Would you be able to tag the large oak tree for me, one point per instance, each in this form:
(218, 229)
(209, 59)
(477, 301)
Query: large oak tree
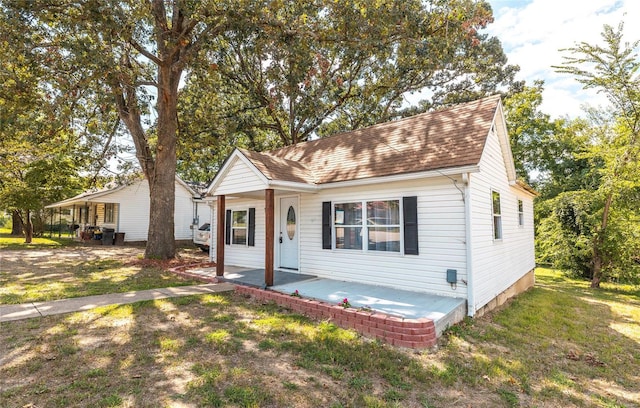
(320, 67)
(304, 65)
(134, 53)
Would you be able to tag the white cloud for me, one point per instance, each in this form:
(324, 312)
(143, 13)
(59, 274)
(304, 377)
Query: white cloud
(533, 32)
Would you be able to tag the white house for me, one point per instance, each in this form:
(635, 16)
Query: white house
(125, 209)
(429, 203)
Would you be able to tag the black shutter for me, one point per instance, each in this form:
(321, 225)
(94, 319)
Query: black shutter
(227, 230)
(410, 214)
(251, 238)
(326, 225)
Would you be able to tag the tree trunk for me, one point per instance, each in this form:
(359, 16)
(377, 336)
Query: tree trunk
(28, 228)
(16, 223)
(596, 277)
(161, 242)
(597, 268)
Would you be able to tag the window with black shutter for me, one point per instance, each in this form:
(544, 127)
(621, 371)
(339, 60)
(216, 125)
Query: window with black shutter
(410, 216)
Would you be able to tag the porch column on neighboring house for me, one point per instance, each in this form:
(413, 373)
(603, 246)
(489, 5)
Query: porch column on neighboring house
(269, 234)
(220, 234)
(73, 222)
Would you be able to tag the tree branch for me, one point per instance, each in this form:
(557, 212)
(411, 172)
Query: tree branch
(144, 52)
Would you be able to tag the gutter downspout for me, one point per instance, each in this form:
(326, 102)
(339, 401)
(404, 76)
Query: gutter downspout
(471, 309)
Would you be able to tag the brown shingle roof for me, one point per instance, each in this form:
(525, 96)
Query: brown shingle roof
(451, 137)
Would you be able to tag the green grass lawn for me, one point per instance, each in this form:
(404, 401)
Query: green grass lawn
(559, 345)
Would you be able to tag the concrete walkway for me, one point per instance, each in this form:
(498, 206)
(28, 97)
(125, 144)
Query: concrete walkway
(39, 309)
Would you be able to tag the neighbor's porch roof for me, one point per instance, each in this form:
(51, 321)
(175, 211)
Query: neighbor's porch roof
(85, 197)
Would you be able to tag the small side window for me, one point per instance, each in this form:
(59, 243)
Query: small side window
(497, 215)
(520, 213)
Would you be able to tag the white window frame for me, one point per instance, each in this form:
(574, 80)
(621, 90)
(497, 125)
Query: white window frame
(520, 213)
(365, 227)
(109, 215)
(496, 217)
(245, 228)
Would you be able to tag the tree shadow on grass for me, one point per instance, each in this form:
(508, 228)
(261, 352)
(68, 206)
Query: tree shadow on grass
(75, 273)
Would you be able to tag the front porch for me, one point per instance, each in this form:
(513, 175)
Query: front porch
(405, 318)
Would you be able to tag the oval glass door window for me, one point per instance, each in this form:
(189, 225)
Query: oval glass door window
(291, 222)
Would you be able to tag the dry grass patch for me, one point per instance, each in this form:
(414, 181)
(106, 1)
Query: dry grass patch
(51, 274)
(560, 344)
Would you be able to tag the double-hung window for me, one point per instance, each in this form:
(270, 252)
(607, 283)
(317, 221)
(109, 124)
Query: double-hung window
(109, 209)
(383, 225)
(368, 225)
(239, 227)
(348, 225)
(497, 215)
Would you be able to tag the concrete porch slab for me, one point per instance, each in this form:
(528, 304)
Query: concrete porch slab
(444, 311)
(255, 277)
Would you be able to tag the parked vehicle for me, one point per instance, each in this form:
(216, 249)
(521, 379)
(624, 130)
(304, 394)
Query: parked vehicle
(202, 237)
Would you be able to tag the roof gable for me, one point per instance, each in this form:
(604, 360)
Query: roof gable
(238, 161)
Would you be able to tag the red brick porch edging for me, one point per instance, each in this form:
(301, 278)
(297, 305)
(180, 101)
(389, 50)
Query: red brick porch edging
(411, 333)
(183, 271)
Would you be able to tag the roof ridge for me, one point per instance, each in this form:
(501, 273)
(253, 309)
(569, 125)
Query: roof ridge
(445, 138)
(382, 125)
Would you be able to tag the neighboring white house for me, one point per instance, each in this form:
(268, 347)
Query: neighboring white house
(428, 203)
(125, 209)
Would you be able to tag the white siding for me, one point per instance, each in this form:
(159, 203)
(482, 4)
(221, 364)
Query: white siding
(203, 212)
(243, 255)
(212, 220)
(239, 178)
(441, 243)
(133, 203)
(101, 211)
(496, 265)
(183, 213)
(441, 239)
(133, 209)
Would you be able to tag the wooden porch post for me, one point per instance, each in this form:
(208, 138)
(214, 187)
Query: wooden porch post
(220, 224)
(269, 234)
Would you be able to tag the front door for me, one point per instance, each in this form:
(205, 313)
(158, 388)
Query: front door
(288, 234)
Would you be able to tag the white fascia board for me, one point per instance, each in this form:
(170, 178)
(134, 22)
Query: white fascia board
(221, 173)
(517, 186)
(503, 136)
(208, 199)
(403, 177)
(294, 186)
(84, 198)
(253, 168)
(190, 190)
(229, 162)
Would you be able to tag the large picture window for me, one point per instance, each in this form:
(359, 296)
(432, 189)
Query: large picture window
(239, 227)
(376, 221)
(497, 215)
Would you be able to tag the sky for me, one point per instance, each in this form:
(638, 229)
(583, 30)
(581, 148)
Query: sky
(533, 32)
